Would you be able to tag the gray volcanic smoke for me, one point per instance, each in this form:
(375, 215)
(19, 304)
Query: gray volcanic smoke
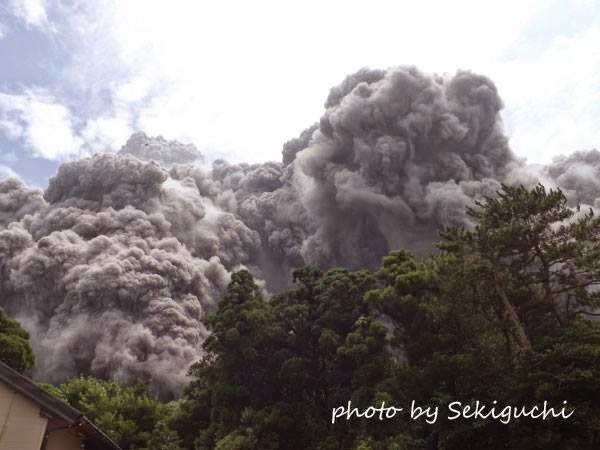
(396, 155)
(166, 153)
(113, 268)
(100, 277)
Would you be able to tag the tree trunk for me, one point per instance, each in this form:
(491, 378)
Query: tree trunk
(524, 342)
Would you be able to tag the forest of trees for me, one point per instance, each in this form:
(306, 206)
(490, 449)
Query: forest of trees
(506, 311)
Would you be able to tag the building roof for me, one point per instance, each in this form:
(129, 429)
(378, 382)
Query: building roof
(56, 408)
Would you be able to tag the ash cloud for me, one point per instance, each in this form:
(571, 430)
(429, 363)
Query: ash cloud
(398, 154)
(166, 153)
(17, 201)
(114, 267)
(578, 175)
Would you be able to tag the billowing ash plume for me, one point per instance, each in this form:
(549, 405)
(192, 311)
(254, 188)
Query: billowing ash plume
(396, 155)
(16, 201)
(578, 176)
(115, 266)
(166, 153)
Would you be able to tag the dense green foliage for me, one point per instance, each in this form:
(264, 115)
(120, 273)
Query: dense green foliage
(130, 415)
(274, 370)
(15, 349)
(505, 311)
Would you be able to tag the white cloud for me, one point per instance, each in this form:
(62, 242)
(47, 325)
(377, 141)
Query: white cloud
(44, 125)
(7, 172)
(133, 90)
(107, 133)
(32, 12)
(47, 129)
(50, 131)
(10, 127)
(240, 78)
(243, 77)
(553, 100)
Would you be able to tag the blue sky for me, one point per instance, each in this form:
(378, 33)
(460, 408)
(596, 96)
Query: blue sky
(239, 78)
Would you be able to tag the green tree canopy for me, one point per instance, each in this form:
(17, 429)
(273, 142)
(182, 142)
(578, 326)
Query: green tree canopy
(15, 349)
(275, 369)
(505, 312)
(130, 415)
